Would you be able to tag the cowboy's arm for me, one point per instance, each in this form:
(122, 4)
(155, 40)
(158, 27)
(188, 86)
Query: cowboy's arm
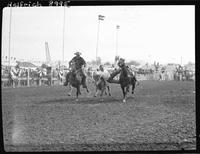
(82, 61)
(71, 61)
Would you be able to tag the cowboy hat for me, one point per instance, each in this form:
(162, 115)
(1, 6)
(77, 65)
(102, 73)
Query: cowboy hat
(121, 59)
(77, 53)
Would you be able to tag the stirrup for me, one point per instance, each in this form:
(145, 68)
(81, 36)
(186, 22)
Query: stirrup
(84, 86)
(109, 79)
(65, 84)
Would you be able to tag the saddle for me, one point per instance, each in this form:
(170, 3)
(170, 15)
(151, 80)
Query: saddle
(75, 72)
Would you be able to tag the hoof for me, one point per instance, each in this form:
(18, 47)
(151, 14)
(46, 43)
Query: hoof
(124, 101)
(95, 96)
(77, 100)
(69, 94)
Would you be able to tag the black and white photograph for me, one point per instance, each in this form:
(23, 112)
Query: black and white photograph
(98, 78)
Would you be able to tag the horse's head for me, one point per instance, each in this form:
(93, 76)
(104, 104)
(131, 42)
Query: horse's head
(124, 71)
(121, 62)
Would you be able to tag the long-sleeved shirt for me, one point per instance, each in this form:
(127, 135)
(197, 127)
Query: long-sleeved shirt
(79, 62)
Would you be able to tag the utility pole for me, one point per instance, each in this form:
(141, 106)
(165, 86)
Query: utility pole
(63, 36)
(9, 36)
(117, 29)
(181, 60)
(48, 57)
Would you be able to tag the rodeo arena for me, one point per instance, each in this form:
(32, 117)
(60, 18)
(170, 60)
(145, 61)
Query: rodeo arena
(158, 115)
(82, 105)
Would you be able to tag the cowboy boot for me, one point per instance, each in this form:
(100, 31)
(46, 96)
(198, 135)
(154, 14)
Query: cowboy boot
(84, 81)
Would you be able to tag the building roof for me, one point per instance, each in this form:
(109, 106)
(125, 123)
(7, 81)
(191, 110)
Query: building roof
(190, 67)
(26, 64)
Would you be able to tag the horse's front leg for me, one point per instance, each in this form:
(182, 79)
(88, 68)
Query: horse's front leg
(101, 95)
(71, 89)
(124, 94)
(133, 87)
(126, 91)
(77, 94)
(96, 91)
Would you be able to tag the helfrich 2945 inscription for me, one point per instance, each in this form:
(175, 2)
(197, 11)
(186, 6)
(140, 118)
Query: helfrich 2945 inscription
(24, 4)
(36, 3)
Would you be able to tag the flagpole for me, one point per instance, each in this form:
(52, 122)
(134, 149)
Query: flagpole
(9, 35)
(116, 54)
(97, 39)
(100, 17)
(116, 41)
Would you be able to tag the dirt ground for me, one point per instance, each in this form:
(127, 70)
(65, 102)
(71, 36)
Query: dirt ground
(161, 116)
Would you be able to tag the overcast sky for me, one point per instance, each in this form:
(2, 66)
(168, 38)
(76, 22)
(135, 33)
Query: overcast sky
(148, 33)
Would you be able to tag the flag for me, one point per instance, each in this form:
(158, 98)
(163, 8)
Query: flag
(117, 26)
(101, 17)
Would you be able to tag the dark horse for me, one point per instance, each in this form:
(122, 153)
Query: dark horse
(75, 78)
(126, 79)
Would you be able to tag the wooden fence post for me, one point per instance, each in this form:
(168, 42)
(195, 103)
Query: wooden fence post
(28, 83)
(51, 77)
(39, 79)
(18, 80)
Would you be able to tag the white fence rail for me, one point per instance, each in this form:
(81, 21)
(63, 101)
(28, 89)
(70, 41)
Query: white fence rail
(24, 81)
(51, 80)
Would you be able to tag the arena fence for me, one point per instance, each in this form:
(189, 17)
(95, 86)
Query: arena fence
(28, 80)
(53, 79)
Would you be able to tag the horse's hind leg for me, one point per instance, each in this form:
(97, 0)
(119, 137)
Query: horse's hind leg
(87, 89)
(77, 93)
(127, 88)
(95, 95)
(108, 90)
